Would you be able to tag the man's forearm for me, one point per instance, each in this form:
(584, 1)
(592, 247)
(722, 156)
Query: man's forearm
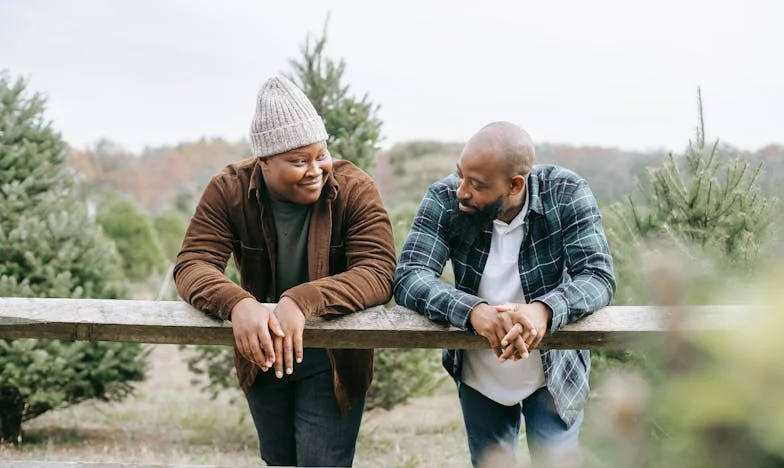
(437, 301)
(575, 299)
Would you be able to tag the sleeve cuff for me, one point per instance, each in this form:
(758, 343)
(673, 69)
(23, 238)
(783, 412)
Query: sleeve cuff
(224, 312)
(461, 317)
(557, 303)
(308, 298)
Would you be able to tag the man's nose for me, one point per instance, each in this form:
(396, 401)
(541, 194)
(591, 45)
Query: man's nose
(462, 192)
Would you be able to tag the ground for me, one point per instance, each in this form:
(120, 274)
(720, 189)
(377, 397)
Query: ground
(169, 421)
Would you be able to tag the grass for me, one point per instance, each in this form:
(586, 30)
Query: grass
(169, 421)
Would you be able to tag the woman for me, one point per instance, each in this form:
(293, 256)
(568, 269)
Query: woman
(312, 235)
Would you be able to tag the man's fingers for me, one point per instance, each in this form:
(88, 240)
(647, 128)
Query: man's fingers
(514, 343)
(530, 333)
(516, 350)
(526, 336)
(537, 339)
(512, 334)
(495, 343)
(504, 307)
(503, 326)
(507, 353)
(521, 347)
(526, 323)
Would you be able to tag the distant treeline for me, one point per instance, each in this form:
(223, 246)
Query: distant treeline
(406, 169)
(166, 177)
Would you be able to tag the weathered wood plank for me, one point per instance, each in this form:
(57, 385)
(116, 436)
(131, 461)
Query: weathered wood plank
(179, 323)
(82, 464)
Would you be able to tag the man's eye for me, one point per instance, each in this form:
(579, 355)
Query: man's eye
(323, 156)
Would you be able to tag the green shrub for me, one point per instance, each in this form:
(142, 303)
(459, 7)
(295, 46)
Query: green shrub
(134, 235)
(402, 374)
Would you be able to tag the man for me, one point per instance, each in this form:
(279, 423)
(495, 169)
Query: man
(312, 235)
(529, 256)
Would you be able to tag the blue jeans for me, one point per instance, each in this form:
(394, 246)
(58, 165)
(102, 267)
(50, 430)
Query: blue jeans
(299, 422)
(493, 428)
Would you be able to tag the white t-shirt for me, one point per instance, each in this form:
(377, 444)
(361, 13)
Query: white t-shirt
(510, 382)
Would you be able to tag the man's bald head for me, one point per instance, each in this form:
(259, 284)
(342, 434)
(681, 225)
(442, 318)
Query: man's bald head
(507, 143)
(492, 174)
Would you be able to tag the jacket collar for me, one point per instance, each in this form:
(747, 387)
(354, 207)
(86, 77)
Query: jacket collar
(535, 203)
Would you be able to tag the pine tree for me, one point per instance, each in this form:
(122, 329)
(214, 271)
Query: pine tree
(706, 205)
(352, 123)
(699, 225)
(50, 248)
(708, 197)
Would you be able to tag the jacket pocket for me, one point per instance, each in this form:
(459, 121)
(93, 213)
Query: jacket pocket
(337, 258)
(254, 268)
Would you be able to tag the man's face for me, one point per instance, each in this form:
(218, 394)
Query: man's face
(298, 175)
(481, 182)
(482, 189)
(467, 226)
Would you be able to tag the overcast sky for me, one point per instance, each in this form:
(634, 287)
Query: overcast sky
(602, 72)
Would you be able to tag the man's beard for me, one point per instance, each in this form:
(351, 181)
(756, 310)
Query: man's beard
(467, 226)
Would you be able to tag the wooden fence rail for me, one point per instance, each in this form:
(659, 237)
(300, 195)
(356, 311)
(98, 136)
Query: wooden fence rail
(379, 327)
(620, 327)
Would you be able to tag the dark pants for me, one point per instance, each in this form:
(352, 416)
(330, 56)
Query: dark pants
(493, 429)
(299, 422)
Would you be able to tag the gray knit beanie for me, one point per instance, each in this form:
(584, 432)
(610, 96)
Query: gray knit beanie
(284, 119)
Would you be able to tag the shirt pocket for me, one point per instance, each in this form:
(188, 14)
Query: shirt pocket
(337, 259)
(254, 267)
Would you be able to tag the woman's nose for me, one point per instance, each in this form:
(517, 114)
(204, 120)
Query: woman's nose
(314, 169)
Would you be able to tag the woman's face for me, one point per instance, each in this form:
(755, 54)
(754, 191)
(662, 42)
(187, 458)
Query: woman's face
(298, 175)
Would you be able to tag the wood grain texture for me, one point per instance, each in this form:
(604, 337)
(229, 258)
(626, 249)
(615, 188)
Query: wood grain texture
(379, 327)
(81, 464)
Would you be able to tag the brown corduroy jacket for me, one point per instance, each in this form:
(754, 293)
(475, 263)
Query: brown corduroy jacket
(351, 258)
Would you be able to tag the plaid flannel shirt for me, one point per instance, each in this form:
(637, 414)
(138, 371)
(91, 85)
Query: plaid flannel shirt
(564, 262)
